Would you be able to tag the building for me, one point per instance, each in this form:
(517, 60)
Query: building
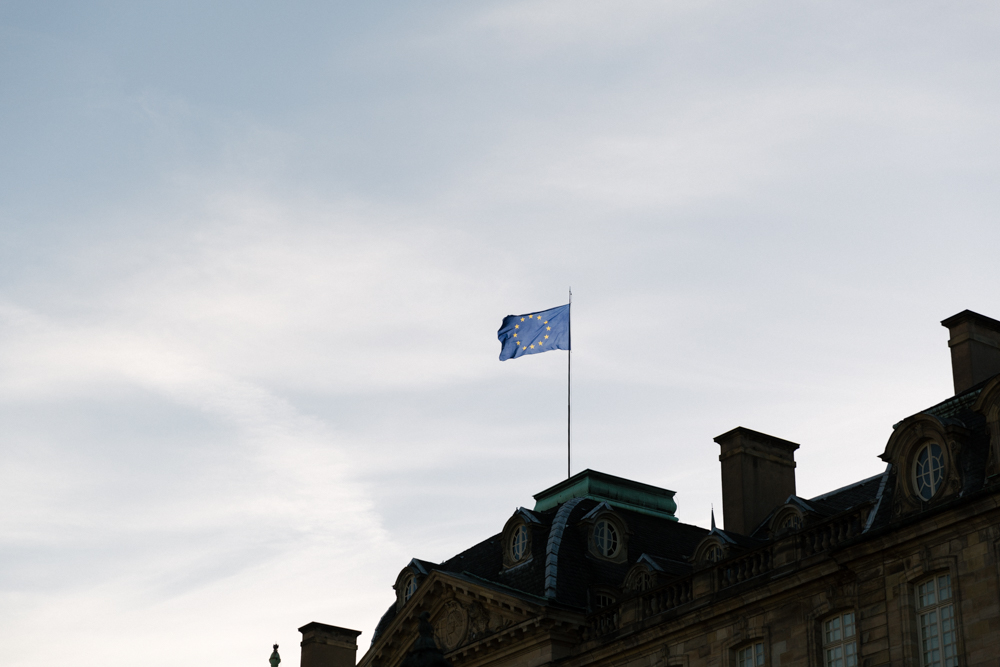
(899, 569)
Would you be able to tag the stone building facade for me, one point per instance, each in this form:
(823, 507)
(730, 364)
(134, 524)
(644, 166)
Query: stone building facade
(899, 569)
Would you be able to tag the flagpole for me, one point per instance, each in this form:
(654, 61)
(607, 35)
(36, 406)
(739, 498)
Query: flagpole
(569, 388)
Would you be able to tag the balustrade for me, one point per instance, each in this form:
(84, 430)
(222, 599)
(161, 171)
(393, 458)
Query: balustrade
(736, 570)
(830, 534)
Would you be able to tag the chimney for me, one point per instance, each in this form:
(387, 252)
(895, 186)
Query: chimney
(328, 646)
(975, 348)
(758, 474)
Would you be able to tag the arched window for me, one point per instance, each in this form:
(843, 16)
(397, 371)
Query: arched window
(840, 645)
(714, 553)
(639, 579)
(409, 588)
(928, 470)
(936, 612)
(751, 655)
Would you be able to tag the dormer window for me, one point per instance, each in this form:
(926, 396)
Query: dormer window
(607, 534)
(408, 581)
(519, 543)
(791, 522)
(515, 541)
(715, 547)
(606, 538)
(603, 600)
(928, 470)
(925, 452)
(409, 588)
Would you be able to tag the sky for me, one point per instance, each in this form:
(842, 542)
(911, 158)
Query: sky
(253, 258)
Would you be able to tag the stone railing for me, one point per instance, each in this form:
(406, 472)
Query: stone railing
(733, 571)
(647, 604)
(729, 572)
(830, 534)
(604, 622)
(665, 598)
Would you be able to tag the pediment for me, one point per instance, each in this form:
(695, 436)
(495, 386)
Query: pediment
(464, 613)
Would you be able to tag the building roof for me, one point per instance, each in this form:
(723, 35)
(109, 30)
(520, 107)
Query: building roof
(563, 568)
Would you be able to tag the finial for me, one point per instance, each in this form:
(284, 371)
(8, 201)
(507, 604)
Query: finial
(275, 659)
(713, 517)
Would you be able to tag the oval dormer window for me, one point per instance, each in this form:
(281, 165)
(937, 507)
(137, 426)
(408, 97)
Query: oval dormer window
(519, 543)
(928, 470)
(606, 538)
(409, 588)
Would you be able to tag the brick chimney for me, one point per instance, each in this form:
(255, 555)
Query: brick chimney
(758, 474)
(975, 348)
(328, 646)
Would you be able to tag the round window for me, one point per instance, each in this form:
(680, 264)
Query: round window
(606, 538)
(928, 470)
(519, 543)
(409, 588)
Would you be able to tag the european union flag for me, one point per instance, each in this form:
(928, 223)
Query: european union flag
(535, 332)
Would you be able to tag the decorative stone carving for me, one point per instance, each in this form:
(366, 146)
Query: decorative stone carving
(479, 622)
(452, 625)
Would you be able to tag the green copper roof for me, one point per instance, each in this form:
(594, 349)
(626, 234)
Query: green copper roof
(616, 491)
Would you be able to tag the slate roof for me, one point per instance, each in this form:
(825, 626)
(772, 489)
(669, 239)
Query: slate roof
(846, 497)
(669, 542)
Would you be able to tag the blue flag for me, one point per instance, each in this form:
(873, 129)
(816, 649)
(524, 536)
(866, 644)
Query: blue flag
(535, 332)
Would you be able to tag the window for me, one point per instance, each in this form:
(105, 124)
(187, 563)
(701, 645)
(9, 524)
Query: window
(714, 553)
(928, 470)
(750, 656)
(606, 538)
(792, 522)
(642, 582)
(840, 644)
(519, 543)
(409, 588)
(938, 639)
(604, 600)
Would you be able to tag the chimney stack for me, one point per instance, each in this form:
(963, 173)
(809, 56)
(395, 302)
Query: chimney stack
(328, 646)
(758, 474)
(975, 348)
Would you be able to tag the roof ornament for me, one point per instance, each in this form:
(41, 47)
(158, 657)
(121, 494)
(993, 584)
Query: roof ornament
(275, 658)
(713, 516)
